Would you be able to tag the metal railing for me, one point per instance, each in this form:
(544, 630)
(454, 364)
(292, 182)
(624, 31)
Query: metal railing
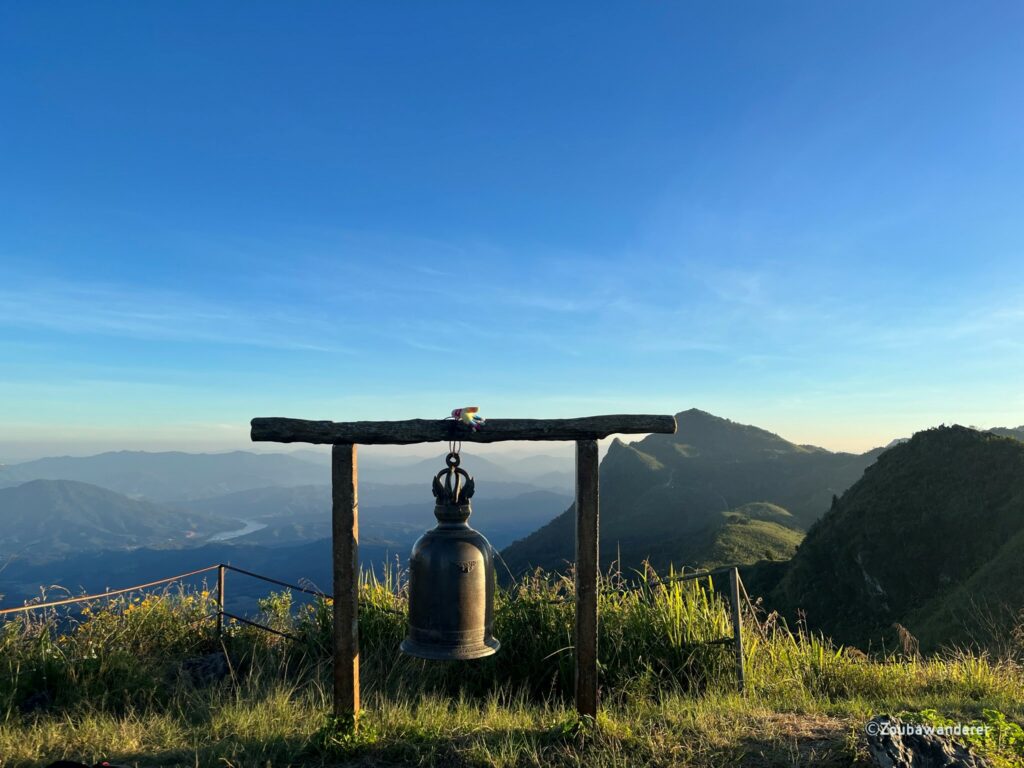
(221, 614)
(736, 589)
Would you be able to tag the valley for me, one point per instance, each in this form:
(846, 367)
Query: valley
(831, 535)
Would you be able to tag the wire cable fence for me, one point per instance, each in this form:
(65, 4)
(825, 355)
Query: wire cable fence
(108, 593)
(220, 615)
(737, 594)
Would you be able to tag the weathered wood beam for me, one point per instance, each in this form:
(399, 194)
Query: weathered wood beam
(281, 430)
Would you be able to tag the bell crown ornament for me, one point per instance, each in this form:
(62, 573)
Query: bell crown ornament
(453, 495)
(451, 578)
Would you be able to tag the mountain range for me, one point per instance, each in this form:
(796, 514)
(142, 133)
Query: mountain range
(685, 498)
(926, 532)
(504, 512)
(171, 476)
(45, 519)
(158, 500)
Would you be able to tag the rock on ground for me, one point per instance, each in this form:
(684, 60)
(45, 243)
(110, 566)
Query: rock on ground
(890, 748)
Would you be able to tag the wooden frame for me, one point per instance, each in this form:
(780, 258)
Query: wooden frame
(345, 436)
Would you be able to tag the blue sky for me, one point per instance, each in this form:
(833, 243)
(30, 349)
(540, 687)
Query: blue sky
(806, 216)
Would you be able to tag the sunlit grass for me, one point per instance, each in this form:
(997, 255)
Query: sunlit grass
(110, 686)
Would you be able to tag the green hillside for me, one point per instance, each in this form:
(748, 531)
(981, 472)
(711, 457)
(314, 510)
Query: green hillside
(931, 537)
(663, 497)
(747, 540)
(984, 610)
(748, 534)
(763, 510)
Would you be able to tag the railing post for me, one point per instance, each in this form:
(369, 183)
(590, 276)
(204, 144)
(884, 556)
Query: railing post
(737, 628)
(345, 546)
(587, 485)
(220, 600)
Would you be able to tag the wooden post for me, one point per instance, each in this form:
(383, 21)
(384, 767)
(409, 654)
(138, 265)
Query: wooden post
(220, 601)
(345, 545)
(587, 483)
(737, 627)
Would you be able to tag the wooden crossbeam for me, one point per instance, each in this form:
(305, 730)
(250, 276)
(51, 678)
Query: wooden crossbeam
(281, 430)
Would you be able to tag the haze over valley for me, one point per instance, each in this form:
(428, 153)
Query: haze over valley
(120, 518)
(715, 493)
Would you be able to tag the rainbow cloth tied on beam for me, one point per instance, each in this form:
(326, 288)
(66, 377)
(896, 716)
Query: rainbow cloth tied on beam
(469, 417)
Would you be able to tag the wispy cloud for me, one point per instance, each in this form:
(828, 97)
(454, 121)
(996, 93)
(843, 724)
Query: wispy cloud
(427, 347)
(549, 303)
(124, 311)
(976, 324)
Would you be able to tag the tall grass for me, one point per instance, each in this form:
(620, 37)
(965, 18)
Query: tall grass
(655, 636)
(114, 651)
(651, 634)
(118, 674)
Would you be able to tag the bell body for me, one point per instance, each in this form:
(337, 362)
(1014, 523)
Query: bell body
(451, 590)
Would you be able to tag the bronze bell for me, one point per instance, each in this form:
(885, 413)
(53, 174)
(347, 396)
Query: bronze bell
(451, 578)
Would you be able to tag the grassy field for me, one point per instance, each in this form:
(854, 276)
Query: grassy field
(115, 686)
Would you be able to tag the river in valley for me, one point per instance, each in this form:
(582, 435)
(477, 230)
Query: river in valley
(251, 526)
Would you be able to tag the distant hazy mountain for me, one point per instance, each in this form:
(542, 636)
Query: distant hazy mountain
(54, 518)
(180, 477)
(502, 521)
(518, 465)
(173, 476)
(315, 500)
(257, 503)
(546, 473)
(663, 498)
(44, 519)
(1017, 433)
(304, 512)
(931, 537)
